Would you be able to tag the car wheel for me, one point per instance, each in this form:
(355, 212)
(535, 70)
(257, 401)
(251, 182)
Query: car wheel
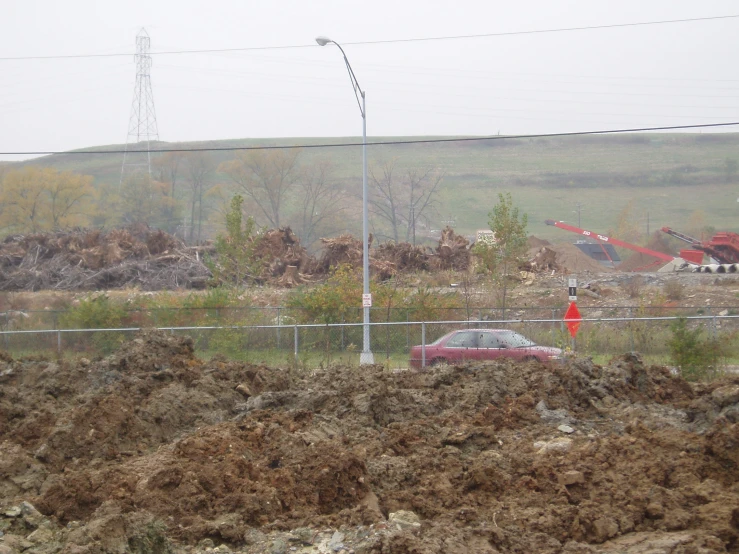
(436, 362)
(530, 359)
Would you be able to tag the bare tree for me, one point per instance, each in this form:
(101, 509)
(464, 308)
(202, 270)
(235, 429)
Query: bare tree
(167, 169)
(402, 200)
(384, 199)
(322, 201)
(422, 187)
(265, 177)
(199, 167)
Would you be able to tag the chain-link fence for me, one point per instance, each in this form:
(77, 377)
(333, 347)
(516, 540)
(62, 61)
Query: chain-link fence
(20, 320)
(391, 343)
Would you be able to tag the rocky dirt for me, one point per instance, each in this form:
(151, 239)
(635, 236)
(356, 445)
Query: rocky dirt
(154, 450)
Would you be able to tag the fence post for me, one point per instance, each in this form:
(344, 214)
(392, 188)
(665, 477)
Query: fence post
(423, 344)
(296, 344)
(551, 327)
(59, 342)
(343, 322)
(407, 333)
(279, 325)
(631, 329)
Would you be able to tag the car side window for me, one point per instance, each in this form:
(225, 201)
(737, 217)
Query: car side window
(489, 340)
(467, 339)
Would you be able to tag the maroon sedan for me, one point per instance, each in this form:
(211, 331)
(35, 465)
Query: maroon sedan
(482, 344)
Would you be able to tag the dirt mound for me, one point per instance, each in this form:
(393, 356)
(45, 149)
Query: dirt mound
(565, 258)
(640, 262)
(92, 259)
(643, 262)
(155, 444)
(536, 242)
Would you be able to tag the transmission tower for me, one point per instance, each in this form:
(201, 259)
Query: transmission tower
(142, 126)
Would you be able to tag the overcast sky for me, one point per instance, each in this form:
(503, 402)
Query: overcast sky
(671, 74)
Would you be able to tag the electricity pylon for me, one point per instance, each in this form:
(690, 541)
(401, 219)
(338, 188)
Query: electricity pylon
(142, 126)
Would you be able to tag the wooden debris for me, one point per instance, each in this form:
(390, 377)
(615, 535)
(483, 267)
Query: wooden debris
(453, 252)
(91, 259)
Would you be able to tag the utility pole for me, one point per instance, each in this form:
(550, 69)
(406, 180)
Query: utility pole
(142, 125)
(578, 205)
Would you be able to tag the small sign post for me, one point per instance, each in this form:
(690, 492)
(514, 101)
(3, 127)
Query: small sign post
(367, 300)
(572, 290)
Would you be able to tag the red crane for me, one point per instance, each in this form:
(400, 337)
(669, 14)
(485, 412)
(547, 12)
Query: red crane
(723, 247)
(602, 238)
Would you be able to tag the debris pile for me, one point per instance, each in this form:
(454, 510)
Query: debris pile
(387, 260)
(92, 259)
(344, 249)
(403, 255)
(285, 262)
(138, 256)
(453, 252)
(543, 261)
(193, 455)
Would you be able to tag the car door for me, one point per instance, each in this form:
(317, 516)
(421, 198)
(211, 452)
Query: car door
(490, 346)
(461, 346)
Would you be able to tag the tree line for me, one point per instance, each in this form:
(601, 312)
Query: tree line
(189, 194)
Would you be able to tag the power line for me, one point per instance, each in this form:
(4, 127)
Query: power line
(559, 30)
(388, 41)
(383, 143)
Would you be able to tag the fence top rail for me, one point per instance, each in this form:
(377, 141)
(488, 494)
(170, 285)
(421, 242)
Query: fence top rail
(384, 309)
(486, 322)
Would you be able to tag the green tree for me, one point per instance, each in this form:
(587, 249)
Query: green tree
(503, 255)
(236, 260)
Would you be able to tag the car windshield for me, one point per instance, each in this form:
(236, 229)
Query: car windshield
(514, 340)
(437, 341)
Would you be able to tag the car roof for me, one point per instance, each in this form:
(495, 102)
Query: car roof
(488, 330)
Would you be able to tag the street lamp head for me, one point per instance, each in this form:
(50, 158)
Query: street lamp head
(323, 41)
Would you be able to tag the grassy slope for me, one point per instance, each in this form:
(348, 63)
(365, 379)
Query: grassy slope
(668, 175)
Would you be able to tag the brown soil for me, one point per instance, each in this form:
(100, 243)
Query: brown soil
(155, 446)
(536, 242)
(571, 259)
(643, 262)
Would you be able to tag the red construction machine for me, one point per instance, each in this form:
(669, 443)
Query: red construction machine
(662, 258)
(723, 247)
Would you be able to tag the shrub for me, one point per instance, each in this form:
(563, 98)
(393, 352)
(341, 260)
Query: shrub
(96, 312)
(633, 286)
(674, 290)
(93, 312)
(697, 357)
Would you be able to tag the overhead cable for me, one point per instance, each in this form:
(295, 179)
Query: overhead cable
(388, 41)
(380, 143)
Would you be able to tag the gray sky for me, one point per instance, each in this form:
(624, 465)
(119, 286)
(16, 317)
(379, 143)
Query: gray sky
(673, 74)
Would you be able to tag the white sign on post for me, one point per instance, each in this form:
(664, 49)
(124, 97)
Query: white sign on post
(366, 300)
(572, 289)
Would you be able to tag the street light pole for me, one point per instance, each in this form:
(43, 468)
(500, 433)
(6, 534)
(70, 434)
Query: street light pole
(366, 357)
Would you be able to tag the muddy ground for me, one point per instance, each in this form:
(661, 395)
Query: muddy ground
(154, 450)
